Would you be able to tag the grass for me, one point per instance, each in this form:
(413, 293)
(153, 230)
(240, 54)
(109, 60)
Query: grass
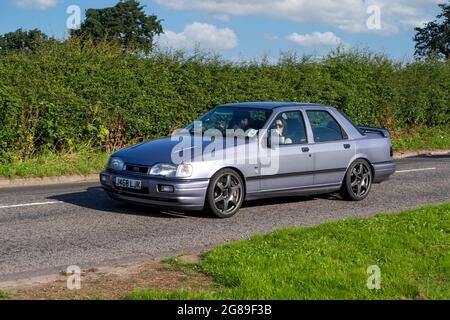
(4, 294)
(330, 261)
(83, 162)
(88, 161)
(422, 138)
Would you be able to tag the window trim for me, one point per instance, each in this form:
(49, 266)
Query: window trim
(344, 133)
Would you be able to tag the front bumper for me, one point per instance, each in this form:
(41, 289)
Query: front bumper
(187, 194)
(383, 170)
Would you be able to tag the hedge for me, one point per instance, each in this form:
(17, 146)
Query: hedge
(68, 94)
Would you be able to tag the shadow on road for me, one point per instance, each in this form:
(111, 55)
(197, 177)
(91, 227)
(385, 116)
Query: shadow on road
(96, 199)
(434, 156)
(287, 200)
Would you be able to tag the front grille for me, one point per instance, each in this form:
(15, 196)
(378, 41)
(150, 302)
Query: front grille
(137, 169)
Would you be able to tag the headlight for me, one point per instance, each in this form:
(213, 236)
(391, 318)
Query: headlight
(169, 170)
(161, 169)
(116, 164)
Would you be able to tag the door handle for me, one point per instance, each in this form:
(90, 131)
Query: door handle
(347, 146)
(305, 149)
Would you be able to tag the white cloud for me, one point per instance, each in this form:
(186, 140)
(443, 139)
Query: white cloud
(270, 37)
(221, 17)
(316, 40)
(347, 15)
(203, 35)
(39, 4)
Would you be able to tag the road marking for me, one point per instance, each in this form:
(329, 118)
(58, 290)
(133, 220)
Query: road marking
(415, 170)
(29, 204)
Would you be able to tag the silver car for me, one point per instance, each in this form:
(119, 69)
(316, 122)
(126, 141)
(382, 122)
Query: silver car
(249, 151)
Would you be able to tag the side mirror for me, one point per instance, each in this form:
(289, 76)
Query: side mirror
(252, 133)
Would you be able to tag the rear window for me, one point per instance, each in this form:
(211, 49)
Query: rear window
(325, 128)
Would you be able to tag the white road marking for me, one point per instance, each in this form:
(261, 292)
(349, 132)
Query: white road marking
(29, 204)
(415, 170)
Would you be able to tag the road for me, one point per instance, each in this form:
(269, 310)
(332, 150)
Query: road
(45, 229)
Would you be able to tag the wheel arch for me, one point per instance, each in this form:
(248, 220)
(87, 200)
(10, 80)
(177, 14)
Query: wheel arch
(240, 173)
(362, 157)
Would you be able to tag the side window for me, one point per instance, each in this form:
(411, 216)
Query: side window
(324, 126)
(290, 128)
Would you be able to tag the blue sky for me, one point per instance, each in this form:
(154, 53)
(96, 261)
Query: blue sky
(252, 28)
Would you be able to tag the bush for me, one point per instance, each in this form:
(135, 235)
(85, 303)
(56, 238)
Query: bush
(67, 94)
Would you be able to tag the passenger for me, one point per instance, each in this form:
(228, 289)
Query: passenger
(243, 122)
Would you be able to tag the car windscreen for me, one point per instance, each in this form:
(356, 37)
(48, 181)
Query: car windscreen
(229, 118)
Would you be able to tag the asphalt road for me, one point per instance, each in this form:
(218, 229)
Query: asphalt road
(45, 229)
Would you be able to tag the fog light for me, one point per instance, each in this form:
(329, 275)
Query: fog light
(165, 188)
(104, 179)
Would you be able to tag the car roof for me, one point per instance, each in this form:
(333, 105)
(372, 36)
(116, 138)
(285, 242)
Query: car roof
(270, 105)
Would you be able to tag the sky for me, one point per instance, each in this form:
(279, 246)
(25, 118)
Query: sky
(248, 29)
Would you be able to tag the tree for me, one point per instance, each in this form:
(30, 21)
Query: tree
(434, 37)
(126, 23)
(21, 40)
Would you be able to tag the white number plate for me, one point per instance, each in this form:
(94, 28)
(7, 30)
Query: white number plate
(128, 183)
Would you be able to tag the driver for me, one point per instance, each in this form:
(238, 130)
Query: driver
(279, 127)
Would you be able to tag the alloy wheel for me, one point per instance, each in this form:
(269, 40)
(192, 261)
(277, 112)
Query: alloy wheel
(360, 179)
(227, 193)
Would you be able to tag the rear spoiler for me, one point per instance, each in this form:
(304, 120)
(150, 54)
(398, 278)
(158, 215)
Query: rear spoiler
(380, 131)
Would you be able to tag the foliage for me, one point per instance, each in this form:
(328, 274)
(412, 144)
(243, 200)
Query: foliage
(4, 294)
(125, 23)
(434, 37)
(21, 40)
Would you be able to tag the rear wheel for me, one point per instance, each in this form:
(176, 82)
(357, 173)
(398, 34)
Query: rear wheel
(357, 181)
(225, 194)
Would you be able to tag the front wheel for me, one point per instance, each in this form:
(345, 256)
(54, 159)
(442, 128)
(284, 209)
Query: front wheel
(357, 181)
(225, 194)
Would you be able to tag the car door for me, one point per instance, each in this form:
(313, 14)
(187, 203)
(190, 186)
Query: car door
(291, 164)
(331, 148)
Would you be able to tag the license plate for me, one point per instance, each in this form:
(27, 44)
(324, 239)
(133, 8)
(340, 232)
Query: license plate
(128, 183)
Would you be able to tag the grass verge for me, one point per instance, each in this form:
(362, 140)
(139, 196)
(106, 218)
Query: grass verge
(4, 294)
(330, 261)
(422, 138)
(48, 164)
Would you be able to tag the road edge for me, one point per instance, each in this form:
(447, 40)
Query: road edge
(416, 153)
(66, 179)
(44, 181)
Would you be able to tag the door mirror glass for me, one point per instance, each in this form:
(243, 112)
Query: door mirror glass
(252, 133)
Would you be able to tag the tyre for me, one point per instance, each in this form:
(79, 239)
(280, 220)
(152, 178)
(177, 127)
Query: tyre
(357, 181)
(225, 194)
